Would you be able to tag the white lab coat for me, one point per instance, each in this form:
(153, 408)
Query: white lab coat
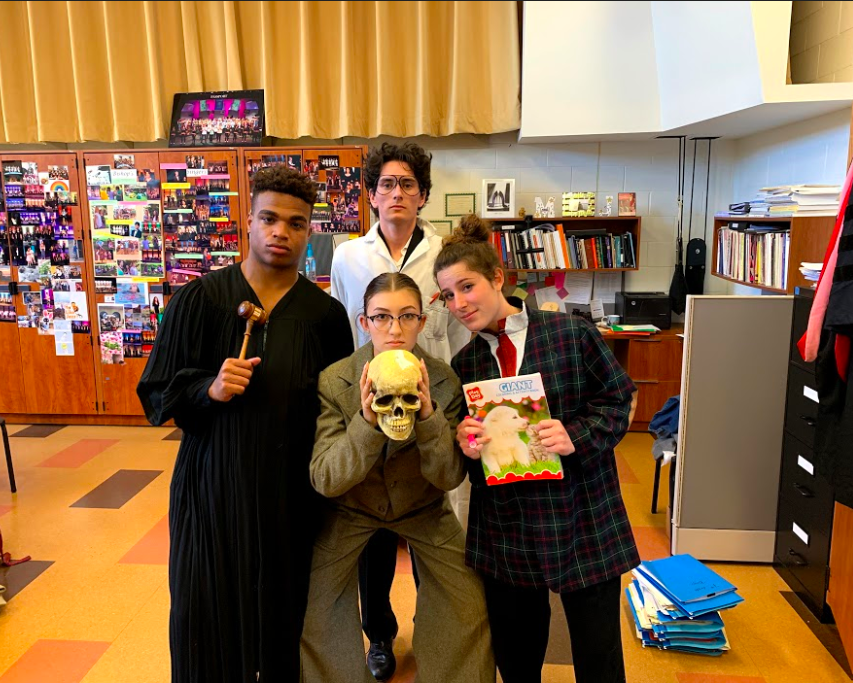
(356, 262)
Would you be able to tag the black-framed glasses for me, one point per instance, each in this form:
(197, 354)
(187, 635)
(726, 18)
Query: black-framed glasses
(383, 321)
(407, 183)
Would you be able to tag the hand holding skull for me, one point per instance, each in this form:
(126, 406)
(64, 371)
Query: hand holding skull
(423, 393)
(367, 397)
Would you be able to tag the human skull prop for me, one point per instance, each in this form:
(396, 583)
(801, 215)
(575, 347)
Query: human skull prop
(395, 376)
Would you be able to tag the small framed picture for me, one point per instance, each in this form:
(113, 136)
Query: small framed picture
(627, 203)
(460, 203)
(498, 198)
(442, 227)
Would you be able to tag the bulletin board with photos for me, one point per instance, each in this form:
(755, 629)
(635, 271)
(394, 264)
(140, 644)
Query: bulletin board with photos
(124, 212)
(341, 202)
(124, 208)
(201, 212)
(41, 248)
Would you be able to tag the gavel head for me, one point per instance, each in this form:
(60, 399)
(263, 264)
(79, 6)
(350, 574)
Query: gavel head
(248, 311)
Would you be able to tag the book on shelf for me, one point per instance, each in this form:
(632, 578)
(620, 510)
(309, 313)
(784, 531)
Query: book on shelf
(753, 257)
(548, 247)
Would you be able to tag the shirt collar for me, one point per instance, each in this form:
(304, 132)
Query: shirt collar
(514, 323)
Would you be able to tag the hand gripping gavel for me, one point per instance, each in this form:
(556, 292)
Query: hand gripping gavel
(251, 314)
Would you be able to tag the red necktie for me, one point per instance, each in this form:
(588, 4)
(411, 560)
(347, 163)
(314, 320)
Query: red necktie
(506, 351)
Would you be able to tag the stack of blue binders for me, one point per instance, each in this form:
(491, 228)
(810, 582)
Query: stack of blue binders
(676, 603)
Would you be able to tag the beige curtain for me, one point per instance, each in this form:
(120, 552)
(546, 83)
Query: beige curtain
(107, 71)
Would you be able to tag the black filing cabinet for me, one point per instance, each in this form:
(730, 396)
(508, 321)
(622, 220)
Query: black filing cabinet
(804, 523)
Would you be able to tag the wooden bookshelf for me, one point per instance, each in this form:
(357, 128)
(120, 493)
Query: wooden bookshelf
(809, 239)
(573, 225)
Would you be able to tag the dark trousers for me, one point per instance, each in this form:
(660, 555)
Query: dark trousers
(376, 568)
(520, 619)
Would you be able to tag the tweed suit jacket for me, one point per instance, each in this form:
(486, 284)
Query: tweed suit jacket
(564, 534)
(361, 468)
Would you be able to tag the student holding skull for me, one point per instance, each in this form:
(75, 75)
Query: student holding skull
(385, 456)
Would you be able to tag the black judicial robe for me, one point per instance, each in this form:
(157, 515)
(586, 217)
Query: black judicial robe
(242, 513)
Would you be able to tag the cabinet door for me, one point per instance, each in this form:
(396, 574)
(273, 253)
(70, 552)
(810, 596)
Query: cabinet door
(12, 397)
(55, 385)
(656, 358)
(117, 383)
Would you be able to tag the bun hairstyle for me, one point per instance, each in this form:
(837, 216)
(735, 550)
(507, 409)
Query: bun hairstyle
(471, 243)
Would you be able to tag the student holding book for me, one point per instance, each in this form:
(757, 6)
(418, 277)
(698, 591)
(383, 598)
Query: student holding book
(572, 535)
(374, 483)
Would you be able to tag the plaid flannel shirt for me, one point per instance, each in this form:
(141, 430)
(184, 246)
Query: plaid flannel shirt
(564, 534)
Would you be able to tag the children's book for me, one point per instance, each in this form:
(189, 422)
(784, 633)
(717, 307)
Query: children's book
(510, 409)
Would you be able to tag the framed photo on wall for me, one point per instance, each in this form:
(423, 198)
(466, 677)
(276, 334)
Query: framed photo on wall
(498, 198)
(233, 118)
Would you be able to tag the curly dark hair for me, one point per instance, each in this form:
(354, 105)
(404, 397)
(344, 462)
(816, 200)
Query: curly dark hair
(408, 153)
(284, 180)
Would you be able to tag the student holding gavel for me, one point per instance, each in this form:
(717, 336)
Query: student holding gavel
(243, 514)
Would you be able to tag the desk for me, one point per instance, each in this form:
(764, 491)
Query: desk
(654, 364)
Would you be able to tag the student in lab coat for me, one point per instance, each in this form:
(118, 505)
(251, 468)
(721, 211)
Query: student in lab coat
(397, 178)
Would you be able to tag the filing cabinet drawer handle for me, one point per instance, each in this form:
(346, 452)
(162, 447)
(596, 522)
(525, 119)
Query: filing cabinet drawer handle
(798, 559)
(647, 341)
(646, 381)
(810, 421)
(803, 491)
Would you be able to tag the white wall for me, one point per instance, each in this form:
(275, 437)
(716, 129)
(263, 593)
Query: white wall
(647, 168)
(706, 59)
(813, 151)
(821, 42)
(568, 46)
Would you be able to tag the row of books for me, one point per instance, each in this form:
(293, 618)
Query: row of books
(547, 247)
(791, 200)
(676, 604)
(756, 256)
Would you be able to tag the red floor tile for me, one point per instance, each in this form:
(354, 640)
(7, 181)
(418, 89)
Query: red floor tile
(652, 542)
(55, 661)
(626, 474)
(79, 453)
(153, 548)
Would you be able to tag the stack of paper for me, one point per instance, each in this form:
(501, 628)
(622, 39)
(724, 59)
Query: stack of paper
(676, 603)
(811, 271)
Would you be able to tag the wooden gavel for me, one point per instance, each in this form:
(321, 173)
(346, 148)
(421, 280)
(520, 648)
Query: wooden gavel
(251, 314)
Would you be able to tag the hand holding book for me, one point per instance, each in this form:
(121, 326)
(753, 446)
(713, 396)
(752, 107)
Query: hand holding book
(469, 436)
(553, 435)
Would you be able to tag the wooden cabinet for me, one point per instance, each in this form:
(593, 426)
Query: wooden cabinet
(52, 385)
(40, 386)
(12, 397)
(654, 364)
(808, 240)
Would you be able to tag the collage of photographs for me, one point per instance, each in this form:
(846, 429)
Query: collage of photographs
(126, 223)
(128, 324)
(338, 188)
(200, 234)
(39, 238)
